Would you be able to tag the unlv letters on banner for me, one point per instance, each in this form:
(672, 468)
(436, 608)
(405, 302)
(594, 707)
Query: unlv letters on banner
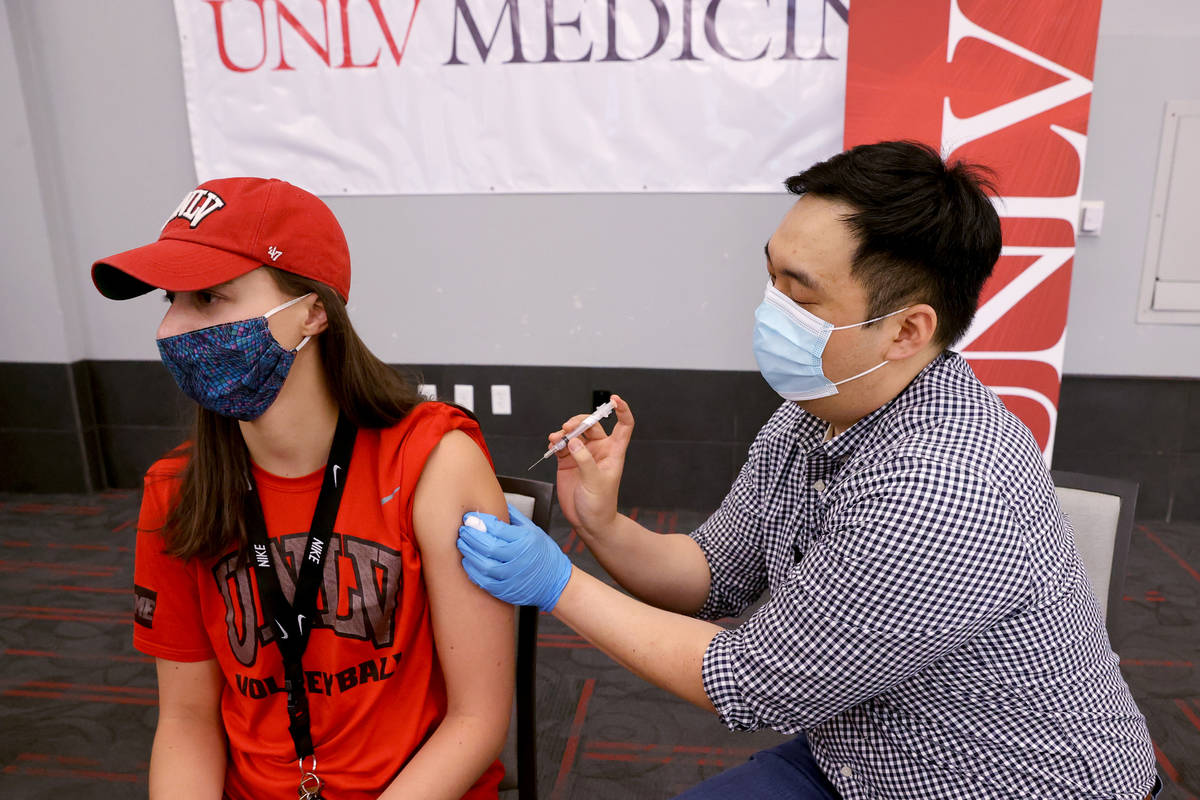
(1009, 85)
(474, 96)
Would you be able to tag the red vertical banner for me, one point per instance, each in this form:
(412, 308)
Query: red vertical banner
(1007, 85)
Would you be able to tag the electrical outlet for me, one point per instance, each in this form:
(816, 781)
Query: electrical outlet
(427, 390)
(464, 395)
(501, 399)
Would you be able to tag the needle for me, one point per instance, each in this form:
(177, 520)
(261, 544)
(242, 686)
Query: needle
(602, 411)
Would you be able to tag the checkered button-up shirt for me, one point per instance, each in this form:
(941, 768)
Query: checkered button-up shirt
(930, 625)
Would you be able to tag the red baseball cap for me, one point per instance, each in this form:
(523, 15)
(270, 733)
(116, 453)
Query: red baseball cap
(227, 227)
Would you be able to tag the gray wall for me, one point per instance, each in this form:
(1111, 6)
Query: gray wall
(1148, 53)
(97, 151)
(34, 328)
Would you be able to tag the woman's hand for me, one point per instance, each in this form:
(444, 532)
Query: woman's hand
(589, 470)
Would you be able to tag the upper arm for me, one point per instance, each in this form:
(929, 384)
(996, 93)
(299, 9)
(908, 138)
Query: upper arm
(190, 689)
(731, 542)
(473, 631)
(168, 621)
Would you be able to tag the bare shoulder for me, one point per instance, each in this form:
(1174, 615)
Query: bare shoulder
(457, 478)
(456, 450)
(456, 463)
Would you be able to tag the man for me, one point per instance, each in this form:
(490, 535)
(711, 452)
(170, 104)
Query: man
(930, 629)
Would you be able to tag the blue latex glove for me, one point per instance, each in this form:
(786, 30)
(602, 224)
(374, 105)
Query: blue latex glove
(516, 563)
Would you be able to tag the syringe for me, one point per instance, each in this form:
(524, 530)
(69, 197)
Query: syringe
(602, 411)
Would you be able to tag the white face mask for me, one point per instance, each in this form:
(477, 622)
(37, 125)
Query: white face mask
(788, 343)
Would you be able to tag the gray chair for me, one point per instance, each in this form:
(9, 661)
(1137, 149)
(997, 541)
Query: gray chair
(534, 499)
(1101, 514)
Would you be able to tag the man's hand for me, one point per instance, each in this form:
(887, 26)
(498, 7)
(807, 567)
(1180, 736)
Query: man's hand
(589, 470)
(516, 563)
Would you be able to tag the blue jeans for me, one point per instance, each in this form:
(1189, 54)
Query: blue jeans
(786, 772)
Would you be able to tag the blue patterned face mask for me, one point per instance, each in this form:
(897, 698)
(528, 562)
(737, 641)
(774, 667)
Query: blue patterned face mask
(235, 369)
(788, 343)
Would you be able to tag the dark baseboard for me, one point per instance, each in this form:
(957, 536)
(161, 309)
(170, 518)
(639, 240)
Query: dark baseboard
(96, 424)
(45, 445)
(1141, 429)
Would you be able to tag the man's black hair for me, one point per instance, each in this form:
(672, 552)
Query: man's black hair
(926, 230)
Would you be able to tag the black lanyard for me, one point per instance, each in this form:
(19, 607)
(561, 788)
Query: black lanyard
(292, 622)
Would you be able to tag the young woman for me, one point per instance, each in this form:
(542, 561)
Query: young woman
(296, 572)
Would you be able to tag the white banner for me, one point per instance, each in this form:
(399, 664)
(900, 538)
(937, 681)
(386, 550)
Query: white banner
(478, 96)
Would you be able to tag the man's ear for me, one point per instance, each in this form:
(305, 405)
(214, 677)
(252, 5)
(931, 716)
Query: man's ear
(317, 321)
(915, 330)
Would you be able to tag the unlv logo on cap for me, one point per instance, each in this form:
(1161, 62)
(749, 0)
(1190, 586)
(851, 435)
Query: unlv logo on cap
(195, 206)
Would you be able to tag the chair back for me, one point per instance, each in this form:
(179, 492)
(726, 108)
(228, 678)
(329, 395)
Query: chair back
(534, 499)
(1101, 514)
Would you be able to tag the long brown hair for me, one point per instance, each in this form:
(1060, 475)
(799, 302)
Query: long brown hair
(205, 518)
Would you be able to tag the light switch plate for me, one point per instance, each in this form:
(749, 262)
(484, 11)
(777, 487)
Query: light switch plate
(501, 399)
(1091, 217)
(464, 395)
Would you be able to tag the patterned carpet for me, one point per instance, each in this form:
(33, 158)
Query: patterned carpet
(77, 703)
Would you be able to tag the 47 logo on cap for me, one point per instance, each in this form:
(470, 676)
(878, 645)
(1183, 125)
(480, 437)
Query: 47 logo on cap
(196, 205)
